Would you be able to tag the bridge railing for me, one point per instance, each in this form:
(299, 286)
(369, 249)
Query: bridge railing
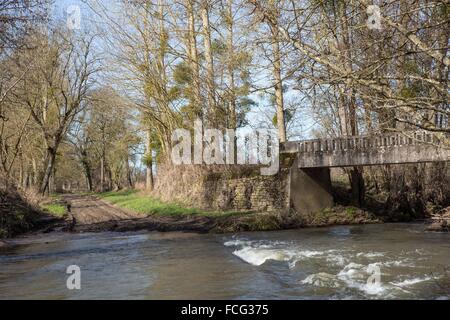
(366, 142)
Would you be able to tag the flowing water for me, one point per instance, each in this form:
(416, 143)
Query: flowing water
(390, 261)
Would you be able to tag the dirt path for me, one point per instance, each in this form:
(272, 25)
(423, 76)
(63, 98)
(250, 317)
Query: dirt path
(87, 210)
(90, 214)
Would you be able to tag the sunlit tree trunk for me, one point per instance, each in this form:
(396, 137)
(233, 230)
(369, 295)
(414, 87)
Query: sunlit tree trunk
(211, 108)
(279, 98)
(50, 162)
(87, 172)
(196, 100)
(351, 124)
(129, 177)
(149, 163)
(102, 172)
(231, 76)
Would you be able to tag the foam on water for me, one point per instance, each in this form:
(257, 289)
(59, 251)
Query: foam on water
(370, 254)
(344, 269)
(258, 256)
(322, 279)
(411, 282)
(237, 242)
(336, 259)
(356, 276)
(258, 252)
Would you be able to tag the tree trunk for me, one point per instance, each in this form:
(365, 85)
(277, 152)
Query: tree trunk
(34, 180)
(196, 101)
(102, 173)
(129, 179)
(232, 122)
(51, 156)
(110, 178)
(279, 99)
(88, 174)
(53, 188)
(358, 186)
(21, 171)
(348, 99)
(212, 115)
(149, 163)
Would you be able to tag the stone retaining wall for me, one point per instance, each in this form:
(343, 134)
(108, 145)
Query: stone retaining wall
(227, 188)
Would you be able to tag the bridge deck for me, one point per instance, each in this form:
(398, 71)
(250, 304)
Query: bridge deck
(396, 148)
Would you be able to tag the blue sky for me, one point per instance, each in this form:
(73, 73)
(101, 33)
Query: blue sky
(59, 13)
(60, 8)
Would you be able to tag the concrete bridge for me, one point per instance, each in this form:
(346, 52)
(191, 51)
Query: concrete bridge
(311, 160)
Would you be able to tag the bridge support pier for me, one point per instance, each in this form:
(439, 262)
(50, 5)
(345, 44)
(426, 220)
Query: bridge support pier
(310, 189)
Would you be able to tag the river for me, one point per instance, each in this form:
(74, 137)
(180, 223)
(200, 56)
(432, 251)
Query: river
(386, 261)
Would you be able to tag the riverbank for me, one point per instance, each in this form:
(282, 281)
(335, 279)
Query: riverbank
(151, 214)
(164, 216)
(440, 222)
(130, 210)
(227, 223)
(19, 215)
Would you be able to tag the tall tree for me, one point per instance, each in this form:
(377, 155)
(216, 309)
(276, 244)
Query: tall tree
(56, 88)
(277, 70)
(210, 85)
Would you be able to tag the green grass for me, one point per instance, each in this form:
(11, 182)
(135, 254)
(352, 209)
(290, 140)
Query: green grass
(351, 211)
(141, 203)
(56, 209)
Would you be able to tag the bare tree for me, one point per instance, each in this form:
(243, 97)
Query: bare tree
(56, 88)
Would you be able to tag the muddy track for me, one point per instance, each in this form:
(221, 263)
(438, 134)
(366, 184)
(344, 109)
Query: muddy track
(85, 210)
(90, 214)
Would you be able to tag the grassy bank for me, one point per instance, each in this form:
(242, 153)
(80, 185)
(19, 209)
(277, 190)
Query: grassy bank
(175, 217)
(142, 203)
(55, 209)
(163, 216)
(54, 205)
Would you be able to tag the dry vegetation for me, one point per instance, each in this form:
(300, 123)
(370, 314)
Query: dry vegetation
(94, 109)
